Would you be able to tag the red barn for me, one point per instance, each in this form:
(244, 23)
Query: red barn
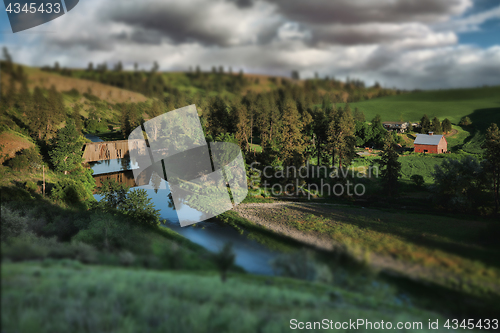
(432, 144)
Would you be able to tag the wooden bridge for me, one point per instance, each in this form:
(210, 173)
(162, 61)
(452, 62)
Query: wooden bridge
(109, 150)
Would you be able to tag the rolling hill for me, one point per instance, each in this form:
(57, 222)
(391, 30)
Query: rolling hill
(481, 105)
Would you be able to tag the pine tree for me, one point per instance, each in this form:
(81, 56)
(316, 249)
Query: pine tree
(492, 157)
(359, 115)
(378, 131)
(77, 118)
(341, 136)
(446, 125)
(156, 110)
(9, 65)
(436, 126)
(308, 133)
(292, 141)
(39, 120)
(125, 123)
(243, 129)
(66, 151)
(425, 124)
(320, 128)
(390, 166)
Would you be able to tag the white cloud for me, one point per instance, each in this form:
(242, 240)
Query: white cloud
(470, 23)
(372, 40)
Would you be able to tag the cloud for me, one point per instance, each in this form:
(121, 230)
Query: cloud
(470, 23)
(366, 11)
(220, 23)
(404, 43)
(409, 35)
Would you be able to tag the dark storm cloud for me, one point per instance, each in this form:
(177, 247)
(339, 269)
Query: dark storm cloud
(90, 44)
(179, 24)
(210, 23)
(363, 11)
(243, 3)
(141, 36)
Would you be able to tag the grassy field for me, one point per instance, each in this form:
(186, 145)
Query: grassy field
(413, 164)
(457, 253)
(481, 105)
(80, 298)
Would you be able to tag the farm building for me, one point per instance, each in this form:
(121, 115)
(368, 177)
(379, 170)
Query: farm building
(399, 126)
(430, 143)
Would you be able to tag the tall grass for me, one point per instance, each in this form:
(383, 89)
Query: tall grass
(72, 298)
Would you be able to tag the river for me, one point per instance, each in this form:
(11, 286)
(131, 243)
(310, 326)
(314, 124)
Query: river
(251, 255)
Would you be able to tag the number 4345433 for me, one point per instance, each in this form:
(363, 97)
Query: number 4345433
(485, 324)
(33, 8)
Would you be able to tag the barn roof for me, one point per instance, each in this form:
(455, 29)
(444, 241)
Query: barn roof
(425, 139)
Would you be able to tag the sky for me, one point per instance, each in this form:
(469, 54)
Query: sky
(408, 44)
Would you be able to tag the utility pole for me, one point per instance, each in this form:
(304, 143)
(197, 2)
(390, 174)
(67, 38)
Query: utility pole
(43, 186)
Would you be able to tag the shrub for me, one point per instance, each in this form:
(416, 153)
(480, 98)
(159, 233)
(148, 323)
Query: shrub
(23, 248)
(13, 224)
(73, 93)
(60, 225)
(418, 180)
(31, 186)
(28, 247)
(298, 265)
(26, 159)
(126, 258)
(465, 121)
(224, 259)
(110, 232)
(71, 192)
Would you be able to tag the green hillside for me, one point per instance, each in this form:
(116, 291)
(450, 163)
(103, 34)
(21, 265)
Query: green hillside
(81, 298)
(481, 105)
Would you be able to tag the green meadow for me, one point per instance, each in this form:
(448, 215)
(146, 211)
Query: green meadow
(481, 105)
(66, 296)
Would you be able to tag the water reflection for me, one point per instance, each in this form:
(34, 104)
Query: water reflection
(251, 253)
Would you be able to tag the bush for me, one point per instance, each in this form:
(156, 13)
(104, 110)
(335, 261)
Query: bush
(224, 259)
(24, 247)
(26, 159)
(110, 232)
(298, 265)
(29, 247)
(31, 186)
(70, 192)
(465, 121)
(13, 224)
(418, 180)
(126, 258)
(73, 93)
